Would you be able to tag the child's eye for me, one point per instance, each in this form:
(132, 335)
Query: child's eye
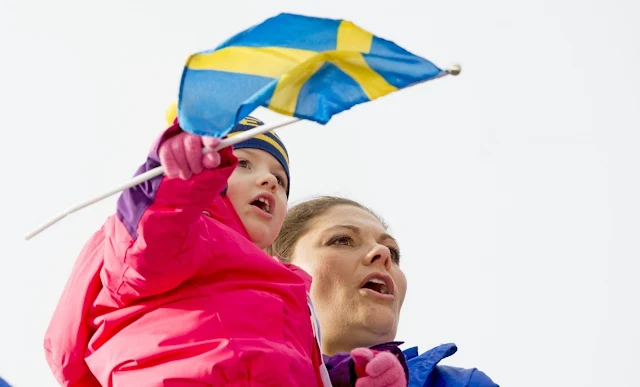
(280, 180)
(343, 240)
(244, 163)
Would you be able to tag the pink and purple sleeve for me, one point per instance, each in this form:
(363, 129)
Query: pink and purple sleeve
(157, 241)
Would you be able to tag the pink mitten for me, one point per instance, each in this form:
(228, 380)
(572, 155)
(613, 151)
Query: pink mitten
(181, 155)
(381, 369)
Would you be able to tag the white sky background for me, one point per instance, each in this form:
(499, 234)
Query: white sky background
(513, 188)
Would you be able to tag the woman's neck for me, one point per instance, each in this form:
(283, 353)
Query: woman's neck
(346, 345)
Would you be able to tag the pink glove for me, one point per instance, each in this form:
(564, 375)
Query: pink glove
(377, 369)
(181, 155)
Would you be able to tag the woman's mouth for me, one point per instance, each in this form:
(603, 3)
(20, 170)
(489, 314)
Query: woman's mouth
(379, 285)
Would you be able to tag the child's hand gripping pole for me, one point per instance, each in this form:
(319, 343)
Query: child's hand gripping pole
(156, 172)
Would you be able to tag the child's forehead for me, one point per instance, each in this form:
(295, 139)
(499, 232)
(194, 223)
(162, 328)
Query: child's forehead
(259, 156)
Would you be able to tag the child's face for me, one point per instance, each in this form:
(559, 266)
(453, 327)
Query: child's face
(258, 191)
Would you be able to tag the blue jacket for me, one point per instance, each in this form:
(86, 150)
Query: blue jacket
(424, 370)
(421, 370)
(3, 383)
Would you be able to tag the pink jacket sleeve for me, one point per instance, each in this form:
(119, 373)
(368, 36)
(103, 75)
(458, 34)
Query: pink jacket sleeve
(160, 238)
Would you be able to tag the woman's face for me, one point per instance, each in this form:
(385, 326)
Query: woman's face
(358, 287)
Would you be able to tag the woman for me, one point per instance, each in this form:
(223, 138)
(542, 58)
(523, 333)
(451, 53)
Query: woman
(358, 288)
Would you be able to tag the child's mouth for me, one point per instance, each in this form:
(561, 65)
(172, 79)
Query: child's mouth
(262, 204)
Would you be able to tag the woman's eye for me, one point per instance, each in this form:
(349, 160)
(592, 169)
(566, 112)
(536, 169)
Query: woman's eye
(341, 240)
(395, 254)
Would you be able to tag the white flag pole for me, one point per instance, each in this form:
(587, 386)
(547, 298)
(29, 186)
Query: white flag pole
(156, 172)
(453, 70)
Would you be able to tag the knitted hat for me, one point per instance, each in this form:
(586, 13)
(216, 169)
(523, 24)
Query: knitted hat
(268, 142)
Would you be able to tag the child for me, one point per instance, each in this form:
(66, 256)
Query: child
(175, 288)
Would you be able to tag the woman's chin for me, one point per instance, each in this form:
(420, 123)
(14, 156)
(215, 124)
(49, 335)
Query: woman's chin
(381, 319)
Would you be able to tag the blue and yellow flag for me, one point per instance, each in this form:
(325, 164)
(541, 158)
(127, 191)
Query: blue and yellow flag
(307, 67)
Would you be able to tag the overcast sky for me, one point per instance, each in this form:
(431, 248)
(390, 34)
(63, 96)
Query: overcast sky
(513, 188)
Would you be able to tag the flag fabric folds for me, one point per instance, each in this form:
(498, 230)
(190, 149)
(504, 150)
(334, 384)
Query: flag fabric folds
(306, 67)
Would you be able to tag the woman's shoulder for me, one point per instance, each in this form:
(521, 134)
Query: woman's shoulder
(463, 377)
(424, 370)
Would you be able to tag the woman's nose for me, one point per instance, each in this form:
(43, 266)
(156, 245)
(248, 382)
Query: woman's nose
(379, 254)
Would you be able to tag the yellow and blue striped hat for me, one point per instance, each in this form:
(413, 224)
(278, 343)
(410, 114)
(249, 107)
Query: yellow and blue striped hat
(268, 142)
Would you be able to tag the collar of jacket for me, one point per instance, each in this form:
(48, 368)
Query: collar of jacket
(422, 366)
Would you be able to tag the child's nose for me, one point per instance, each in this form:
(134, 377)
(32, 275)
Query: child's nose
(268, 180)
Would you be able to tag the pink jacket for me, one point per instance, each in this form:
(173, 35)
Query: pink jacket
(165, 295)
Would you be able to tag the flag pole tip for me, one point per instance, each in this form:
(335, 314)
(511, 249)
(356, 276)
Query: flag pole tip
(454, 69)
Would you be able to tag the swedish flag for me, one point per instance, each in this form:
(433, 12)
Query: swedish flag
(307, 67)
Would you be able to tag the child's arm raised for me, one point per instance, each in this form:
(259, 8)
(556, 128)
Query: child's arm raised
(159, 239)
